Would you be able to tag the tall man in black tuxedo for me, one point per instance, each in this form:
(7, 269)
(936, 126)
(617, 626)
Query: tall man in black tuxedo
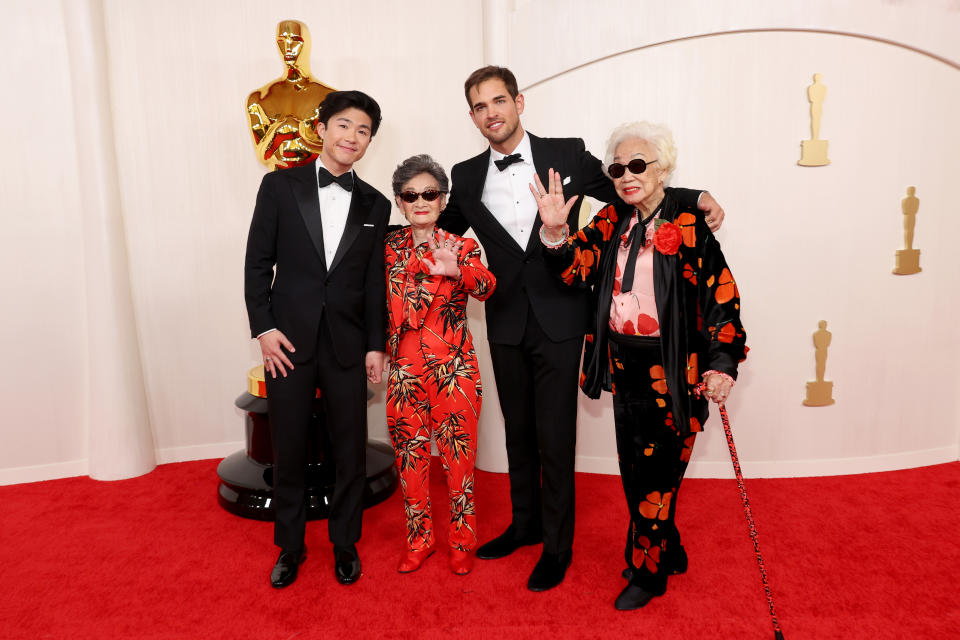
(535, 324)
(321, 322)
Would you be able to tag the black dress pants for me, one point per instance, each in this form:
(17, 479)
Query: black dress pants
(653, 458)
(537, 382)
(344, 399)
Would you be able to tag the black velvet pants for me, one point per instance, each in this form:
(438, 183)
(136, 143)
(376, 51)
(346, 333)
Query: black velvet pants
(653, 458)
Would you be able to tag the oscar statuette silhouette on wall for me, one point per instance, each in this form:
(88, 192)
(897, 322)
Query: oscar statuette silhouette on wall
(820, 391)
(283, 114)
(908, 258)
(813, 152)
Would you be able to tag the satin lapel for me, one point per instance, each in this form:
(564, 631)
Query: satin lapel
(477, 171)
(359, 205)
(304, 186)
(673, 341)
(543, 161)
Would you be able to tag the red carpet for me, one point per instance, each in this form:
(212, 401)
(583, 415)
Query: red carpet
(871, 556)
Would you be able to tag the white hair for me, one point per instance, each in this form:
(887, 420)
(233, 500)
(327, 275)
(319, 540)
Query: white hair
(657, 135)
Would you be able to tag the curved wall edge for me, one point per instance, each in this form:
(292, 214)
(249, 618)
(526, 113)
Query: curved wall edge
(699, 36)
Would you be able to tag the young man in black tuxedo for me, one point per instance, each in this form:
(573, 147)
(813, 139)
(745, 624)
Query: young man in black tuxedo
(535, 324)
(321, 322)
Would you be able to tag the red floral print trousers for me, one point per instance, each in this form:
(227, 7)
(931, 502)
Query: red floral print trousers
(653, 459)
(442, 400)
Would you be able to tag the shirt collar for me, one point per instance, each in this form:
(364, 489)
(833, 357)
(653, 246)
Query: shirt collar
(523, 148)
(321, 163)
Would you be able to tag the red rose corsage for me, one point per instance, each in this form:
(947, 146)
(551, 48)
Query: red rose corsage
(667, 238)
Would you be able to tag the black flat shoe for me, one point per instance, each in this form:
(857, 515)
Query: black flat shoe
(633, 597)
(550, 571)
(285, 570)
(506, 543)
(346, 564)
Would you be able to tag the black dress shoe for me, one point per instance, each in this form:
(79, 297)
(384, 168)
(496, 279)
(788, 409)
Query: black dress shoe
(550, 570)
(285, 571)
(346, 564)
(633, 597)
(506, 543)
(672, 563)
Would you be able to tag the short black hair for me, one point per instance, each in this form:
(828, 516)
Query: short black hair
(337, 101)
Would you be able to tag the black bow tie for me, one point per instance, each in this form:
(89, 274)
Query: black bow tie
(324, 178)
(506, 161)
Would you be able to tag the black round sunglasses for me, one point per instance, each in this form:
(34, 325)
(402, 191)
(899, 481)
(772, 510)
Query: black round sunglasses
(429, 195)
(636, 166)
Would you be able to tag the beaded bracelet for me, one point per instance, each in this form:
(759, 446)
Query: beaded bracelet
(554, 245)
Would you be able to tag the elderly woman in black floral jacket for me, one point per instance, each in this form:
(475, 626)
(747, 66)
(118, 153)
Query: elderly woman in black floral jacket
(666, 318)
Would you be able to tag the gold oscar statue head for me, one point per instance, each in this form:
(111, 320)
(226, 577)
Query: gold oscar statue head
(283, 114)
(293, 40)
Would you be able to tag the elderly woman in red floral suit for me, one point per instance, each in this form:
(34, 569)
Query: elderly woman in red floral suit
(666, 309)
(433, 387)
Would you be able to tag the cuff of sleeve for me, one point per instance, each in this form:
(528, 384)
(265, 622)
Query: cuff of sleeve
(468, 279)
(266, 332)
(723, 375)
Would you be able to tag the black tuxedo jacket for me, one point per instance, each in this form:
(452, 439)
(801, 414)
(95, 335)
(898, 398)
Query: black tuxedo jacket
(287, 233)
(523, 281)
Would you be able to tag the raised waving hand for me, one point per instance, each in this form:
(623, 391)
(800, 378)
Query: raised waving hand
(444, 255)
(553, 209)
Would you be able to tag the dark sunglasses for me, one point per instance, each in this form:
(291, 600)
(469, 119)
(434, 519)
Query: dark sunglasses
(636, 166)
(429, 195)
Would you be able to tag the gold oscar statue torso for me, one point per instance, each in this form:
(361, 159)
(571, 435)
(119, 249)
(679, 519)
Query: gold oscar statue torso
(820, 391)
(283, 114)
(908, 258)
(813, 152)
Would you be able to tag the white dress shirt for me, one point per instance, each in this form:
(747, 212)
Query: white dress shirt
(507, 193)
(334, 206)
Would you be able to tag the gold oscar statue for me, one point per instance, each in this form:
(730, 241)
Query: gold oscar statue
(908, 259)
(813, 152)
(283, 113)
(820, 391)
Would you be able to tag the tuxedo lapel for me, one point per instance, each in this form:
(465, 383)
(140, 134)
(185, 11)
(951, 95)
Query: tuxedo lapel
(477, 171)
(543, 161)
(304, 186)
(359, 206)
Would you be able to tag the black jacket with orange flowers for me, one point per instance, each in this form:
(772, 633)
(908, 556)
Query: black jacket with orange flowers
(698, 303)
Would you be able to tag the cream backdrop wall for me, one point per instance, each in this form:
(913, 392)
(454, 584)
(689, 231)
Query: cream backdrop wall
(130, 146)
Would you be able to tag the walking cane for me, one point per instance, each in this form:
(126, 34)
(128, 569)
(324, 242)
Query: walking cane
(748, 512)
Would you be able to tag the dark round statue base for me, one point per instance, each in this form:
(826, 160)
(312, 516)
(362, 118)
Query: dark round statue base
(246, 477)
(245, 487)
